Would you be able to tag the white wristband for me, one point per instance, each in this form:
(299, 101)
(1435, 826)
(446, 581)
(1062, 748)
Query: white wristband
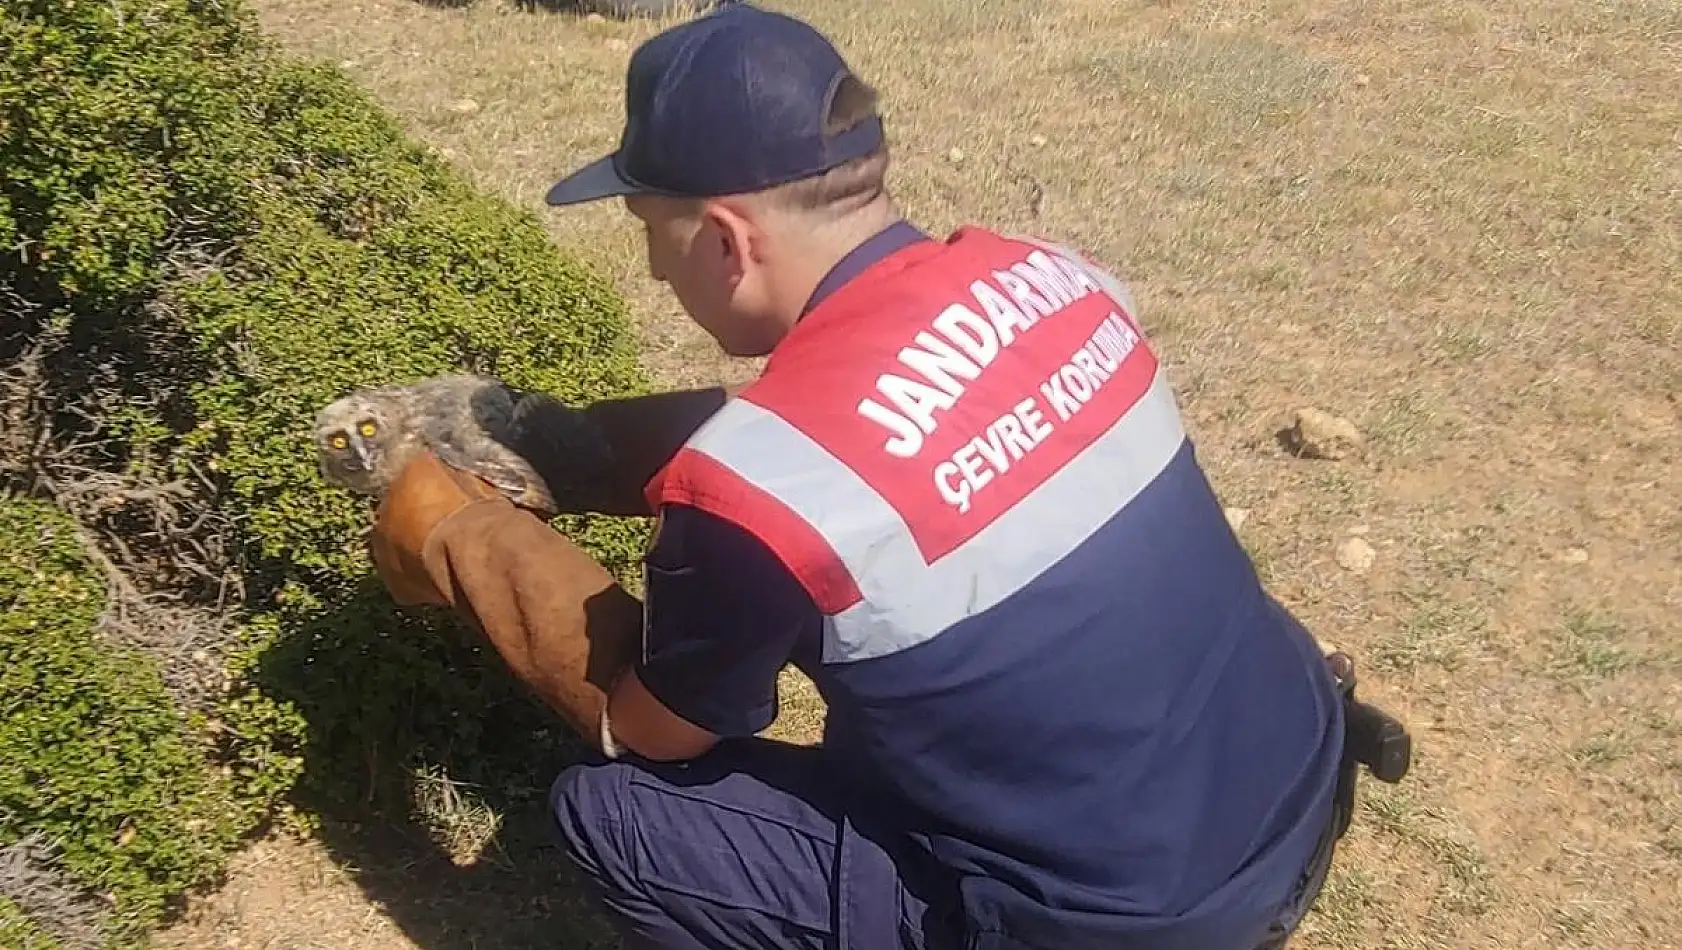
(610, 748)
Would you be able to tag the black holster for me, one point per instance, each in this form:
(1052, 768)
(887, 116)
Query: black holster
(1371, 738)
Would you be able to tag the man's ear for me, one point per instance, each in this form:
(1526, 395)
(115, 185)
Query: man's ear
(741, 239)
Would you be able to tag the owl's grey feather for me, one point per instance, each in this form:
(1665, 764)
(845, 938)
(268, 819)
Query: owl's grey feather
(466, 424)
(517, 441)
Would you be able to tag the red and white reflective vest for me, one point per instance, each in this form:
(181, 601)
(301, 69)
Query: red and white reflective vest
(907, 453)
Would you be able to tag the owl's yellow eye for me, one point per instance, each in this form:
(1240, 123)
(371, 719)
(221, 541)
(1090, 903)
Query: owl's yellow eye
(339, 442)
(367, 429)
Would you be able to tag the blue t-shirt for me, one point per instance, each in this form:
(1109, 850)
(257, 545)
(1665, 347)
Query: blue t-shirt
(1193, 799)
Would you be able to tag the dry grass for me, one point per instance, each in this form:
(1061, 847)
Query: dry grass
(456, 815)
(1457, 224)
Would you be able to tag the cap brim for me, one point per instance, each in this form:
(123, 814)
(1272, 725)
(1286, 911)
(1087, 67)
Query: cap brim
(593, 182)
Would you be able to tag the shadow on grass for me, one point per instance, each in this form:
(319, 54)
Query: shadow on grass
(520, 896)
(429, 767)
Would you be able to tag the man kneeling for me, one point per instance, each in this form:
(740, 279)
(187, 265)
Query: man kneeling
(1063, 713)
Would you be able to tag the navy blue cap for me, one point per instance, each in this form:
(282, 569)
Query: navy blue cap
(727, 103)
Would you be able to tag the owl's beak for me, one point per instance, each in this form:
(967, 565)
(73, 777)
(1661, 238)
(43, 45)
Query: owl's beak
(365, 455)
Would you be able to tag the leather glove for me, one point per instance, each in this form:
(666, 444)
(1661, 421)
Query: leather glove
(444, 537)
(422, 497)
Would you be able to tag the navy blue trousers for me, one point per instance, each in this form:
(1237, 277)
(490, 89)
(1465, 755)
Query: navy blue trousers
(754, 845)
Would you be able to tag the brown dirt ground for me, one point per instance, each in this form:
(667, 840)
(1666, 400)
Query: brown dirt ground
(1456, 223)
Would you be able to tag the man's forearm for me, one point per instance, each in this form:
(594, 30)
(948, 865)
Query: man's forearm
(557, 618)
(560, 622)
(644, 433)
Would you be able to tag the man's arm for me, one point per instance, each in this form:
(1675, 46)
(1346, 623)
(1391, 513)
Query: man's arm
(573, 635)
(642, 432)
(558, 619)
(722, 617)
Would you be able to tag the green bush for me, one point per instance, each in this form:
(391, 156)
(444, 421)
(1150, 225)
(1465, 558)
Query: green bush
(18, 932)
(93, 753)
(202, 242)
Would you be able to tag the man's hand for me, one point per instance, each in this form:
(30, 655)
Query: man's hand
(420, 499)
(447, 538)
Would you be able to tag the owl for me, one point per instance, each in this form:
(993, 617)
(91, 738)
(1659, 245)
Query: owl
(533, 448)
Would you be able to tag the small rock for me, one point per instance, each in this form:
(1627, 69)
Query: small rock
(1237, 516)
(1361, 80)
(595, 18)
(955, 155)
(348, 64)
(1037, 141)
(1356, 556)
(464, 106)
(1574, 556)
(1317, 434)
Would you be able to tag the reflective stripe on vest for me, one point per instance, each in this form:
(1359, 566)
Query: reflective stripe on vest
(888, 555)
